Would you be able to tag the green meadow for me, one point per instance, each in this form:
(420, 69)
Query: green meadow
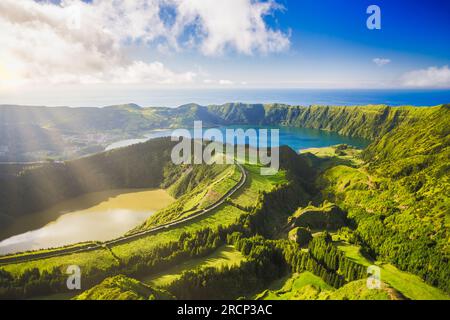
(224, 256)
(295, 287)
(411, 286)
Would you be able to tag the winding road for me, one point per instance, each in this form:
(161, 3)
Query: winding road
(124, 239)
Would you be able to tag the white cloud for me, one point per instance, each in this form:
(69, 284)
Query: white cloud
(381, 61)
(154, 72)
(234, 24)
(37, 45)
(226, 82)
(430, 77)
(222, 82)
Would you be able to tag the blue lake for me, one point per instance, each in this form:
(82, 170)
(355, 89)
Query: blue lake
(296, 138)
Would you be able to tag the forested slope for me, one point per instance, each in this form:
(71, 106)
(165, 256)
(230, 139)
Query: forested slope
(399, 198)
(359, 121)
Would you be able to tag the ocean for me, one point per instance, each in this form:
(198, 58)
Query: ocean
(177, 97)
(295, 97)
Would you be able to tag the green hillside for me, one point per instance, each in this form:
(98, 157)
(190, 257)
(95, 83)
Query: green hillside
(226, 256)
(123, 288)
(307, 286)
(358, 121)
(308, 232)
(399, 198)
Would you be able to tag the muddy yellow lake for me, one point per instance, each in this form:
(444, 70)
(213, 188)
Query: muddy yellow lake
(96, 216)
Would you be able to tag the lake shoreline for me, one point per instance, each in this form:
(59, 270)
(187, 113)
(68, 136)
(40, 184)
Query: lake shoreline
(124, 207)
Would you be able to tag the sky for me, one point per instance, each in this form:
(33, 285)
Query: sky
(57, 48)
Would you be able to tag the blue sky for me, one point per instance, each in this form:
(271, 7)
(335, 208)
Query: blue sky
(414, 34)
(75, 46)
(419, 27)
(330, 45)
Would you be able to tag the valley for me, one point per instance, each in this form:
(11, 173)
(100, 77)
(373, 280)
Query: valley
(241, 159)
(228, 232)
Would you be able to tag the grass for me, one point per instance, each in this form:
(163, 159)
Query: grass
(121, 287)
(101, 259)
(354, 253)
(53, 250)
(257, 183)
(206, 193)
(357, 290)
(344, 178)
(307, 278)
(335, 155)
(307, 286)
(411, 286)
(296, 287)
(224, 215)
(334, 151)
(217, 188)
(321, 152)
(224, 256)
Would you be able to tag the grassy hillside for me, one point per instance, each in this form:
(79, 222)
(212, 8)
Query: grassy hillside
(399, 198)
(408, 285)
(358, 121)
(307, 286)
(303, 286)
(387, 205)
(326, 217)
(123, 288)
(226, 256)
(197, 188)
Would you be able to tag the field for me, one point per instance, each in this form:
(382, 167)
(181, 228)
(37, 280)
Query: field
(100, 259)
(121, 287)
(411, 286)
(307, 286)
(295, 287)
(224, 215)
(224, 256)
(256, 183)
